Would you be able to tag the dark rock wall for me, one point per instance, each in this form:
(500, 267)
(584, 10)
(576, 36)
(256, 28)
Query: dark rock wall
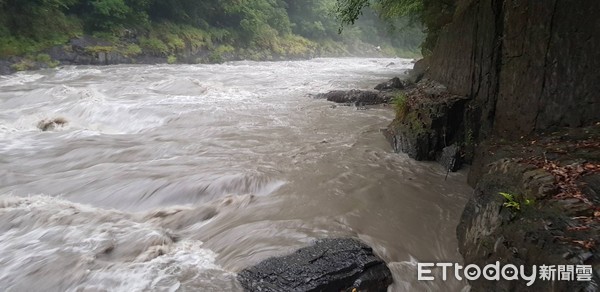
(534, 235)
(466, 60)
(571, 92)
(526, 65)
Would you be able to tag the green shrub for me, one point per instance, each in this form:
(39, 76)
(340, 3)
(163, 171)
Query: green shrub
(154, 46)
(108, 36)
(100, 49)
(24, 64)
(12, 46)
(297, 46)
(512, 201)
(401, 106)
(216, 56)
(174, 43)
(414, 123)
(179, 36)
(469, 140)
(171, 59)
(131, 50)
(46, 59)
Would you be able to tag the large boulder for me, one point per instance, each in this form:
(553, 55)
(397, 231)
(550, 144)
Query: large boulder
(432, 119)
(450, 158)
(418, 71)
(328, 265)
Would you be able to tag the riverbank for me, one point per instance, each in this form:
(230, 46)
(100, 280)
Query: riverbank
(88, 50)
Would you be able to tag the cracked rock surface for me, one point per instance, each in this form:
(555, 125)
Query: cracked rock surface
(329, 265)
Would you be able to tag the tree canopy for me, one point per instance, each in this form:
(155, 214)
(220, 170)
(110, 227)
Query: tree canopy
(431, 14)
(30, 25)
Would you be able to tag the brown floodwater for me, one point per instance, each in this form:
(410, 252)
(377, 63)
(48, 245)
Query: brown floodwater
(175, 177)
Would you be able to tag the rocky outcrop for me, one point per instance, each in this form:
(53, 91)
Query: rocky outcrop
(519, 71)
(5, 67)
(451, 157)
(392, 84)
(328, 265)
(431, 119)
(544, 232)
(88, 50)
(356, 97)
(527, 66)
(552, 214)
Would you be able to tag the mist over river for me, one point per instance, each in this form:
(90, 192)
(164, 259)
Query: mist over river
(175, 177)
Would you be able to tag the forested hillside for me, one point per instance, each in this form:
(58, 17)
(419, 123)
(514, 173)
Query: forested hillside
(258, 29)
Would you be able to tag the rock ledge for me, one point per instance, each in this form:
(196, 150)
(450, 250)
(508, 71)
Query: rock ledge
(328, 265)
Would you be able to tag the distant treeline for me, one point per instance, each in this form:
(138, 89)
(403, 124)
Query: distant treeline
(163, 27)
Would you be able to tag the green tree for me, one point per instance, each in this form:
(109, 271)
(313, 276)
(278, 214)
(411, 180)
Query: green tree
(432, 14)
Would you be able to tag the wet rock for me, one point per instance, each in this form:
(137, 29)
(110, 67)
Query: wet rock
(87, 50)
(540, 183)
(591, 187)
(392, 84)
(51, 124)
(329, 265)
(81, 43)
(450, 158)
(5, 67)
(418, 72)
(544, 232)
(575, 207)
(428, 126)
(419, 145)
(357, 97)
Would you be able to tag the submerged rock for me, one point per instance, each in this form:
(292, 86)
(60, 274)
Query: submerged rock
(357, 97)
(51, 124)
(328, 265)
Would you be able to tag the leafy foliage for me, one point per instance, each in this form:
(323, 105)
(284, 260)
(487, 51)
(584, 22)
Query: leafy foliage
(431, 14)
(167, 27)
(401, 106)
(513, 201)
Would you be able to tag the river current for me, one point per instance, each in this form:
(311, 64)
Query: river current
(175, 177)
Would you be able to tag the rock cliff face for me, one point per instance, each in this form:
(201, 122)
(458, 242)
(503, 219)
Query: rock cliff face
(527, 65)
(526, 69)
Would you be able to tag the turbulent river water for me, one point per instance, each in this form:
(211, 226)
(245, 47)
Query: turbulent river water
(175, 177)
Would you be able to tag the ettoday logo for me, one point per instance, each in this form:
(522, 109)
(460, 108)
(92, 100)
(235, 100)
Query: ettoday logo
(495, 272)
